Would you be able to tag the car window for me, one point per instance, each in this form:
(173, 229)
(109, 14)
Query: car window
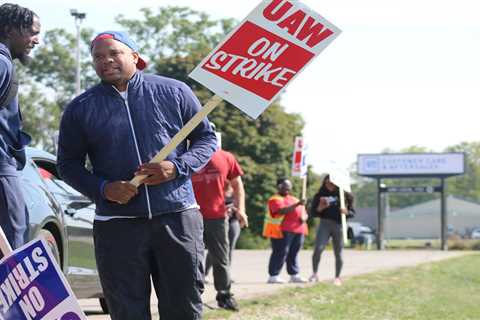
(49, 174)
(31, 174)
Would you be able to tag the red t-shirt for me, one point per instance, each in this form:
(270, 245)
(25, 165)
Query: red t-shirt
(209, 184)
(292, 221)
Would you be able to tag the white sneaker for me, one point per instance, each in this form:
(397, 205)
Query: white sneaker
(337, 282)
(275, 279)
(297, 279)
(313, 278)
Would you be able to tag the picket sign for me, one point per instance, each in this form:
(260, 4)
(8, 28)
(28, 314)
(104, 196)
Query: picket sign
(341, 179)
(257, 60)
(32, 285)
(299, 166)
(299, 158)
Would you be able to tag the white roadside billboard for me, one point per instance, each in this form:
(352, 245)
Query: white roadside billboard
(411, 164)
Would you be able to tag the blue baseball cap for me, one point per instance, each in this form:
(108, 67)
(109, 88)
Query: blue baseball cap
(123, 38)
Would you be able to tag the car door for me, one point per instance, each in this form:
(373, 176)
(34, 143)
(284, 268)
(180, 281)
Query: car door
(79, 213)
(45, 213)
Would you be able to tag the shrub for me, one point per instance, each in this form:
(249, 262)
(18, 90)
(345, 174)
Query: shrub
(248, 240)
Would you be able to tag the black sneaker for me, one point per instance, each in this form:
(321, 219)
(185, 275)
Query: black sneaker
(226, 301)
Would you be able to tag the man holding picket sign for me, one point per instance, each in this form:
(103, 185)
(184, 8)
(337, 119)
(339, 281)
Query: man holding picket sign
(153, 231)
(114, 124)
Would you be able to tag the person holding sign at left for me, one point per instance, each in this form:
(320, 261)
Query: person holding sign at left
(19, 34)
(153, 231)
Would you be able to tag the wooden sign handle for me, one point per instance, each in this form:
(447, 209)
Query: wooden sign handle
(4, 244)
(344, 216)
(304, 197)
(211, 104)
(304, 187)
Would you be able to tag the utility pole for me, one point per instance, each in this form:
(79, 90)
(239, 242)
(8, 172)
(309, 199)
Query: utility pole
(79, 16)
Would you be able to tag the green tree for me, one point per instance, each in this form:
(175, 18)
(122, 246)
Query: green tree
(48, 84)
(175, 32)
(54, 64)
(467, 186)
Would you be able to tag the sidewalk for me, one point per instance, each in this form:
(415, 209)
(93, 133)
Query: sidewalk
(249, 271)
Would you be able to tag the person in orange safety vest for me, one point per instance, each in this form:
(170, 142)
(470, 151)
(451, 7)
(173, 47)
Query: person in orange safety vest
(285, 225)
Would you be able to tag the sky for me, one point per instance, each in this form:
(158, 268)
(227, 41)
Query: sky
(402, 73)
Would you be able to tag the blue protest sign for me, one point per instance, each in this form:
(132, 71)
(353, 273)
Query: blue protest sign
(32, 286)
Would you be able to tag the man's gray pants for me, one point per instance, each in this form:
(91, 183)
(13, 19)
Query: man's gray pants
(216, 240)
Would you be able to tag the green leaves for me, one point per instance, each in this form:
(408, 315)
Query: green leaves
(175, 31)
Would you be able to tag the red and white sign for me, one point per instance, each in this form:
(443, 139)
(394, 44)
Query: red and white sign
(299, 161)
(262, 55)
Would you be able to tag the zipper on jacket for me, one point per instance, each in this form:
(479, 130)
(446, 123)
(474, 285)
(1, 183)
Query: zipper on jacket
(125, 100)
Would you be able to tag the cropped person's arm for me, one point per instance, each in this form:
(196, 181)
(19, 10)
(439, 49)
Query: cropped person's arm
(286, 210)
(239, 200)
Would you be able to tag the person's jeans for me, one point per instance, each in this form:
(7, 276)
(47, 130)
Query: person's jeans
(168, 249)
(13, 211)
(285, 249)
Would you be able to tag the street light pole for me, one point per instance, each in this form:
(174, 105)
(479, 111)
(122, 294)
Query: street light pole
(79, 16)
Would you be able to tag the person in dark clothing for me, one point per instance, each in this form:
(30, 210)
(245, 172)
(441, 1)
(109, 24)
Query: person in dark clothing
(151, 233)
(326, 205)
(19, 34)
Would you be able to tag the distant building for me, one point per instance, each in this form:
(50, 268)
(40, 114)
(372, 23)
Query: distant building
(422, 221)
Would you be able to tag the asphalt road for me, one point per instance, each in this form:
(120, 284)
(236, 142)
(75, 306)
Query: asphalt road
(249, 272)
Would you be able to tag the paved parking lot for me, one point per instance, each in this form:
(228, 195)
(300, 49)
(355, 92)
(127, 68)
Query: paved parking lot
(249, 271)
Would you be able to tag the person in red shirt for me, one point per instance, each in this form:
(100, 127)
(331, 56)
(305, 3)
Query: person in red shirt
(209, 188)
(293, 230)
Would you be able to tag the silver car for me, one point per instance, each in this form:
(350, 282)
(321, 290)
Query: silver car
(65, 218)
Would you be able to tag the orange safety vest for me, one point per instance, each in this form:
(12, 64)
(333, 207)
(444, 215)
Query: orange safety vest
(272, 226)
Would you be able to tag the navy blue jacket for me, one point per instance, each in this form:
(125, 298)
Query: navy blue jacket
(119, 136)
(12, 139)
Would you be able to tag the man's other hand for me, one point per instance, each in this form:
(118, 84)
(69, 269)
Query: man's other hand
(120, 191)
